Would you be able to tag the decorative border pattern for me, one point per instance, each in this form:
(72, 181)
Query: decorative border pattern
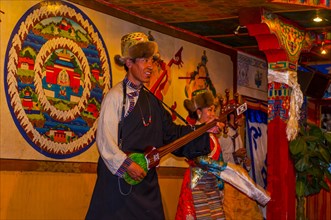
(292, 39)
(278, 101)
(73, 167)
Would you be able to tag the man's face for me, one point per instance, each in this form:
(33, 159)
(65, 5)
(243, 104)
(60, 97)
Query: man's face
(140, 71)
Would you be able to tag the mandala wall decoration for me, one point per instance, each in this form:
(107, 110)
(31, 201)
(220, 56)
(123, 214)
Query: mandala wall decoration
(56, 73)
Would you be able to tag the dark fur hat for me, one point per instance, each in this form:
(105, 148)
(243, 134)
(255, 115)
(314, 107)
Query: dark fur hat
(199, 101)
(136, 45)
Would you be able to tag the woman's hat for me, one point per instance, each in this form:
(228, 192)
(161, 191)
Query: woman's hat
(201, 100)
(136, 45)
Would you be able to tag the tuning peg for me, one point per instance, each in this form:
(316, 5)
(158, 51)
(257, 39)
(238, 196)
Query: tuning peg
(236, 99)
(221, 101)
(227, 95)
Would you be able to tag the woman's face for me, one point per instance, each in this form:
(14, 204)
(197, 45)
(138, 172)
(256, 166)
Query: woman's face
(206, 113)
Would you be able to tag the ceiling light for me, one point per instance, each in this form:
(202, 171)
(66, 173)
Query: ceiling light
(236, 32)
(317, 19)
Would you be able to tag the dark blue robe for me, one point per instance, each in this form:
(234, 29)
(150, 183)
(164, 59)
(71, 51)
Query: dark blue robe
(143, 201)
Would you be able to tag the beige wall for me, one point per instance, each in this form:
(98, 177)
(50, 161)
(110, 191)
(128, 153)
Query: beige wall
(14, 143)
(55, 195)
(39, 194)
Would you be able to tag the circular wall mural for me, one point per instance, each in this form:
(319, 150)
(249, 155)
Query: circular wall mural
(57, 71)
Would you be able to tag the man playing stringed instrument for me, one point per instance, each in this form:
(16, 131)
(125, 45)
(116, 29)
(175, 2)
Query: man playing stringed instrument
(131, 120)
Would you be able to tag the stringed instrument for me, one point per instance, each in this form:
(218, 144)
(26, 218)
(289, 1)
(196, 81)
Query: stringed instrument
(151, 158)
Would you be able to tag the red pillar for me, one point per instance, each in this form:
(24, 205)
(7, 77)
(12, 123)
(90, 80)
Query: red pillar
(281, 177)
(274, 35)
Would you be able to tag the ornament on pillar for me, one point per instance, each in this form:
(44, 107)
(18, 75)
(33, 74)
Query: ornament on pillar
(282, 42)
(289, 78)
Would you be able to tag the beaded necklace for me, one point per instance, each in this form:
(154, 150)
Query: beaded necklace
(146, 124)
(131, 98)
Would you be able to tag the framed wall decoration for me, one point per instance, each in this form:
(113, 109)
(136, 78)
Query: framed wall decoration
(56, 72)
(252, 76)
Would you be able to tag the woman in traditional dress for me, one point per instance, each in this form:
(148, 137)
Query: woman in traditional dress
(201, 194)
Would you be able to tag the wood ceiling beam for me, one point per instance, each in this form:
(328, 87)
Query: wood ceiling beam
(226, 35)
(247, 47)
(161, 27)
(318, 28)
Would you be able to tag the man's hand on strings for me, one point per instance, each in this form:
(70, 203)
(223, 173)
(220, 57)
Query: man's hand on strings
(136, 172)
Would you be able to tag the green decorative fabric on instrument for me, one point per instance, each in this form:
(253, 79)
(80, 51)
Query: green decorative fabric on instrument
(140, 159)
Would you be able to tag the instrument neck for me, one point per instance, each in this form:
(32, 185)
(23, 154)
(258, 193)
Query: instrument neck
(185, 139)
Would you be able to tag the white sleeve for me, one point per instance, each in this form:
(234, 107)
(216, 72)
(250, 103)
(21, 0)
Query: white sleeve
(239, 143)
(227, 149)
(107, 132)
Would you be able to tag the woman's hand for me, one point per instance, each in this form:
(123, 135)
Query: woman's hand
(247, 162)
(241, 152)
(217, 128)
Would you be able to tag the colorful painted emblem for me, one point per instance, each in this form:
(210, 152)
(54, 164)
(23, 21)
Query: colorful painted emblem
(57, 71)
(292, 39)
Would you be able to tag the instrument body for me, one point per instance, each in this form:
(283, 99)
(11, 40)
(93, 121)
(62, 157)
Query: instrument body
(149, 159)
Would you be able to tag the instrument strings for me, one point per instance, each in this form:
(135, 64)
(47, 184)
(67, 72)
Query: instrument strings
(185, 139)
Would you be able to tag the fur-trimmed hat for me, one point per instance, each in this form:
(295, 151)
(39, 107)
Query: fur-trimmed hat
(201, 100)
(136, 45)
